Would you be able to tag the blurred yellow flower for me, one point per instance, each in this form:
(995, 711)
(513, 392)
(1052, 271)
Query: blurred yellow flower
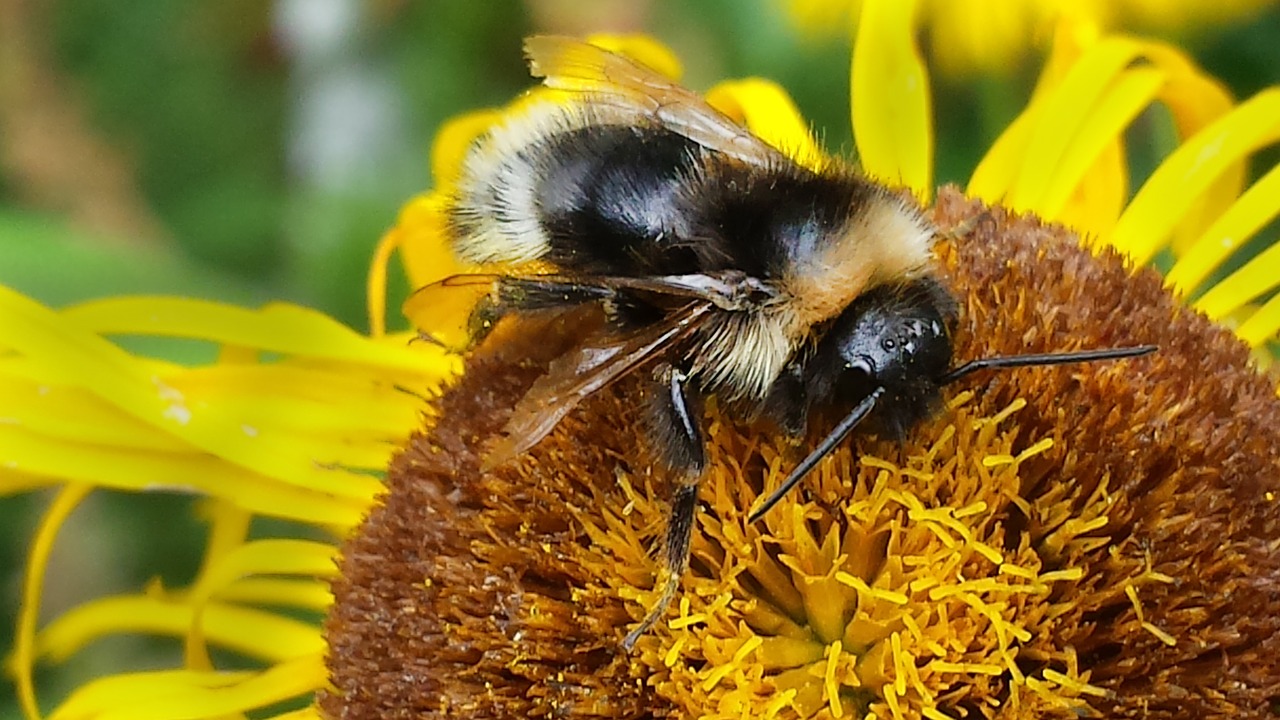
(968, 36)
(300, 414)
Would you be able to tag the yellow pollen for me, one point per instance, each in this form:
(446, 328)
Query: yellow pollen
(1161, 635)
(966, 668)
(775, 706)
(1042, 445)
(685, 621)
(924, 583)
(1001, 416)
(960, 399)
(891, 699)
(863, 588)
(971, 509)
(1057, 575)
(991, 461)
(1017, 571)
(1073, 684)
(934, 713)
(673, 654)
(899, 664)
(830, 684)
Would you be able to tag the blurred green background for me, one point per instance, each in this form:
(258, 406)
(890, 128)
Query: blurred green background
(249, 151)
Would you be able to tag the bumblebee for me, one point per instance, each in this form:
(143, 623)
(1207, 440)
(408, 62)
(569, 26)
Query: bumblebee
(724, 269)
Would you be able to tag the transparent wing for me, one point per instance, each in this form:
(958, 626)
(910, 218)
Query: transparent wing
(581, 372)
(614, 81)
(459, 311)
(444, 311)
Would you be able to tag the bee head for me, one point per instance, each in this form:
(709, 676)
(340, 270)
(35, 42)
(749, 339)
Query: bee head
(894, 337)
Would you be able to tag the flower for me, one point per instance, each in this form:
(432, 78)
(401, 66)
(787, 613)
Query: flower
(483, 592)
(970, 37)
(1035, 548)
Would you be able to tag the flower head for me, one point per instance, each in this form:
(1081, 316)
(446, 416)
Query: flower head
(1035, 547)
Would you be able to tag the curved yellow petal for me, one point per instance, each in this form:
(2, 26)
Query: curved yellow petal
(76, 414)
(63, 348)
(770, 113)
(190, 695)
(1263, 325)
(228, 529)
(300, 594)
(375, 289)
(266, 636)
(1063, 157)
(1259, 205)
(1182, 179)
(1061, 114)
(1100, 196)
(261, 557)
(424, 241)
(25, 645)
(892, 108)
(276, 327)
(1048, 192)
(199, 473)
(1256, 278)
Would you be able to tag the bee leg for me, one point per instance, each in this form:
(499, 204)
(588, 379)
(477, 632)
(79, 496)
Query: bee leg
(676, 431)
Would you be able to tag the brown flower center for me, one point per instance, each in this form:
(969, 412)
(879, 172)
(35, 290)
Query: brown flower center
(1057, 540)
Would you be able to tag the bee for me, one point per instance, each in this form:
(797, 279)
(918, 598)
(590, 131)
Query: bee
(723, 269)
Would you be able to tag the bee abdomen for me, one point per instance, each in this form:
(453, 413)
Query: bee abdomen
(586, 195)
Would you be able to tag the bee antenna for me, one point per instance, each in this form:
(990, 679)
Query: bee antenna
(829, 443)
(1013, 361)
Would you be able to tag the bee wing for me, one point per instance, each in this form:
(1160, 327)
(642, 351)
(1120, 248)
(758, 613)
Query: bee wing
(615, 81)
(443, 311)
(458, 311)
(581, 372)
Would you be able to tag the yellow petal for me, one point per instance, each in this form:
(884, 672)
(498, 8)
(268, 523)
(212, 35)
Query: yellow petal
(424, 241)
(770, 113)
(189, 695)
(75, 414)
(892, 109)
(1099, 198)
(260, 634)
(1263, 325)
(1259, 205)
(1256, 278)
(1074, 144)
(261, 557)
(24, 644)
(228, 529)
(301, 594)
(1063, 157)
(375, 292)
(64, 348)
(198, 473)
(276, 327)
(1184, 177)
